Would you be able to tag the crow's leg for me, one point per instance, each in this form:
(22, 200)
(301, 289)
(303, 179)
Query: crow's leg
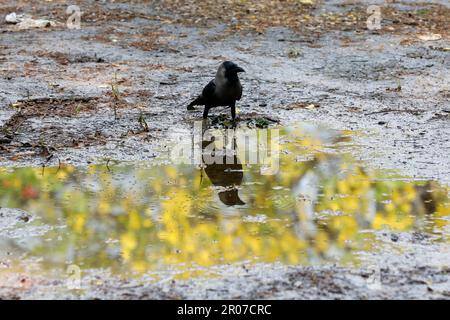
(233, 111)
(205, 112)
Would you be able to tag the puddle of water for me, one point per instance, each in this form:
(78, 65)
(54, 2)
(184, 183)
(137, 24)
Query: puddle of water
(321, 206)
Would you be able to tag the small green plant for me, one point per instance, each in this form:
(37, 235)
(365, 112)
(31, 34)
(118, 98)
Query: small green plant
(78, 108)
(142, 123)
(261, 123)
(294, 53)
(115, 94)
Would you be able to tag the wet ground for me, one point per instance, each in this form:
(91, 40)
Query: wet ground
(89, 118)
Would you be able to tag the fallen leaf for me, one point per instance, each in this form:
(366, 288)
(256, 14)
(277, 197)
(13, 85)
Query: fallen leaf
(429, 36)
(302, 105)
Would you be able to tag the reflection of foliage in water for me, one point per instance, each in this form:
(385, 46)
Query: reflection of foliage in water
(144, 218)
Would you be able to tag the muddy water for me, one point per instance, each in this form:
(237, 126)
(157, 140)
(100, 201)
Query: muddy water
(317, 204)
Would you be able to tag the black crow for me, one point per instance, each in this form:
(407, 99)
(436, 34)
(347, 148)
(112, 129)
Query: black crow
(223, 90)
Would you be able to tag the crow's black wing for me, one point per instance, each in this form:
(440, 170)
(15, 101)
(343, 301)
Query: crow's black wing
(240, 93)
(206, 97)
(208, 91)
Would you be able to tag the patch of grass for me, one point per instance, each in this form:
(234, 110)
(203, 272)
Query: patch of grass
(262, 123)
(423, 12)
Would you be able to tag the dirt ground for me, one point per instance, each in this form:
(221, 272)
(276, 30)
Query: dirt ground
(117, 89)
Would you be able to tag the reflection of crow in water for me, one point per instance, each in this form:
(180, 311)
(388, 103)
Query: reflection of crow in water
(227, 174)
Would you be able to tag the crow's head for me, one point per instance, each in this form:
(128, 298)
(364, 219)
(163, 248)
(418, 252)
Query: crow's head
(230, 69)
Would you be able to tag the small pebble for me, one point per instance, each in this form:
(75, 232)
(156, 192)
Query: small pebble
(394, 237)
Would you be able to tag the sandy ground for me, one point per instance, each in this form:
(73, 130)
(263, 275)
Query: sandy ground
(391, 86)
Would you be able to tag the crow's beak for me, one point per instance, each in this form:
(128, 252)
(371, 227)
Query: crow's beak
(238, 69)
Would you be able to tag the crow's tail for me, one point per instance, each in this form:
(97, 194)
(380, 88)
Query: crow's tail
(196, 102)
